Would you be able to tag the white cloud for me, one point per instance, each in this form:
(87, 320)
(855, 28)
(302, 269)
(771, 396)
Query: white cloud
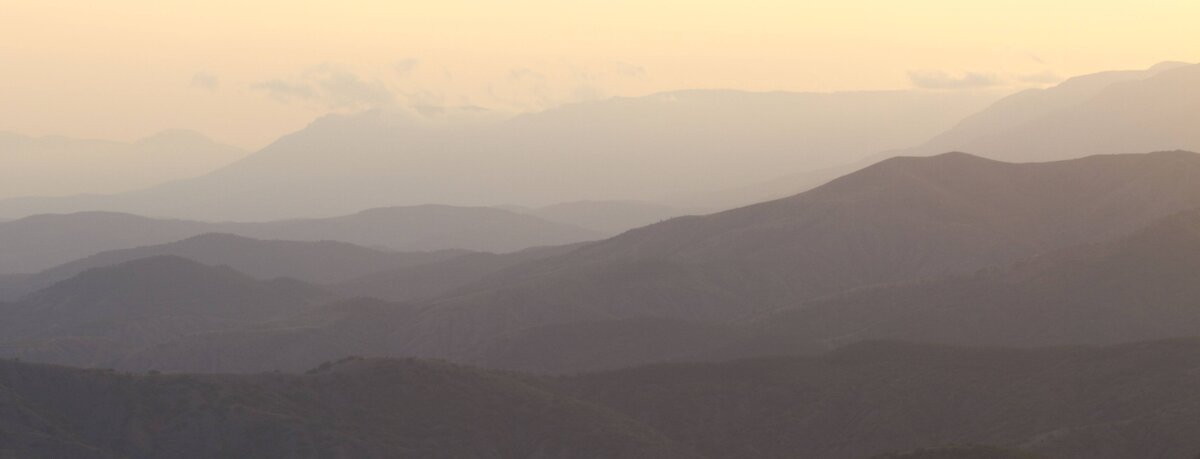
(943, 80)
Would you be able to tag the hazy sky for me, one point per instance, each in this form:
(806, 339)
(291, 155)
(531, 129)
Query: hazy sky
(245, 72)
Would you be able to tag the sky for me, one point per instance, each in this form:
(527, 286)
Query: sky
(246, 72)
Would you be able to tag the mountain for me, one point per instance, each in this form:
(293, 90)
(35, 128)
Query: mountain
(61, 166)
(1136, 288)
(867, 400)
(1107, 112)
(319, 262)
(430, 280)
(103, 313)
(617, 149)
(426, 227)
(961, 452)
(1111, 112)
(44, 241)
(352, 408)
(694, 288)
(608, 217)
(40, 242)
(904, 219)
(1135, 400)
(293, 343)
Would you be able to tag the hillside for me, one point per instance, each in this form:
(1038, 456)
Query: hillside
(319, 262)
(45, 241)
(872, 399)
(1137, 288)
(638, 148)
(355, 408)
(84, 166)
(104, 313)
(1112, 112)
(1096, 403)
(904, 219)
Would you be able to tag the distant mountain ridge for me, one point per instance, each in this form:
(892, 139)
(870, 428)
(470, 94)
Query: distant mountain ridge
(905, 219)
(61, 166)
(618, 149)
(692, 286)
(96, 317)
(1139, 287)
(1102, 113)
(40, 242)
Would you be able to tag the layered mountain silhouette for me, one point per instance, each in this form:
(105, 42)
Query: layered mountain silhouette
(872, 399)
(430, 280)
(61, 166)
(1137, 288)
(1102, 113)
(40, 242)
(609, 217)
(904, 219)
(101, 314)
(1111, 112)
(695, 288)
(623, 148)
(319, 262)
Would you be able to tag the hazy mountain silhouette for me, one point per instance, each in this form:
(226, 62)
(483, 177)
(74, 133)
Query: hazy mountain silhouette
(1106, 112)
(430, 280)
(103, 313)
(61, 166)
(622, 148)
(321, 262)
(608, 217)
(1111, 112)
(1134, 400)
(295, 343)
(426, 227)
(900, 220)
(40, 242)
(1137, 288)
(686, 287)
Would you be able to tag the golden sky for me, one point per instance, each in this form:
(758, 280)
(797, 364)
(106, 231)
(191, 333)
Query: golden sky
(248, 71)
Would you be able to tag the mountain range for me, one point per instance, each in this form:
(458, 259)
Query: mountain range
(640, 148)
(1103, 113)
(887, 399)
(83, 166)
(96, 317)
(882, 253)
(40, 242)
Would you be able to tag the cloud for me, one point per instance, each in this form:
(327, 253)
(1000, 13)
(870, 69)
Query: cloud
(630, 70)
(330, 87)
(341, 89)
(942, 80)
(405, 67)
(285, 92)
(1046, 77)
(207, 81)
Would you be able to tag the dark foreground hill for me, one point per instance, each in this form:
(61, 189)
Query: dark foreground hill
(1136, 400)
(362, 409)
